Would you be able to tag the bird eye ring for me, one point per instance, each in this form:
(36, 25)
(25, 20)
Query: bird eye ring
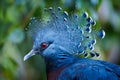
(44, 45)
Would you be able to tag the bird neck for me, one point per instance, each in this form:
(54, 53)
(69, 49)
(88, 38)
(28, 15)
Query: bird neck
(58, 62)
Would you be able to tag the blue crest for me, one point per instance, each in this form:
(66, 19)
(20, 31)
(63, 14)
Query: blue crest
(75, 33)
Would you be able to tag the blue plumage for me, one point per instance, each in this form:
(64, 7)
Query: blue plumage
(86, 69)
(61, 39)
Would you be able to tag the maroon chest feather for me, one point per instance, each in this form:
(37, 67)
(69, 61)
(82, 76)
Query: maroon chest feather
(54, 74)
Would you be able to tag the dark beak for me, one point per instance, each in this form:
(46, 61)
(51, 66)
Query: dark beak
(31, 53)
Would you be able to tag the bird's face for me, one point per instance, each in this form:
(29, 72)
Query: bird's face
(45, 46)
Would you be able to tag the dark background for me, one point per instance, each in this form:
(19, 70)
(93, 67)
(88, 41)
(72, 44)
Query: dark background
(15, 43)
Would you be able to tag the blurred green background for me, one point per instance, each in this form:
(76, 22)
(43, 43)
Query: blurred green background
(15, 43)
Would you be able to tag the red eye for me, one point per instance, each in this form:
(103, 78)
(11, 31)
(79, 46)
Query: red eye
(44, 45)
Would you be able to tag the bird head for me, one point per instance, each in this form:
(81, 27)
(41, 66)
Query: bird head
(62, 33)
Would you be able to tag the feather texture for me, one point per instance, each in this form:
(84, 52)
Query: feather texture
(64, 39)
(74, 31)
